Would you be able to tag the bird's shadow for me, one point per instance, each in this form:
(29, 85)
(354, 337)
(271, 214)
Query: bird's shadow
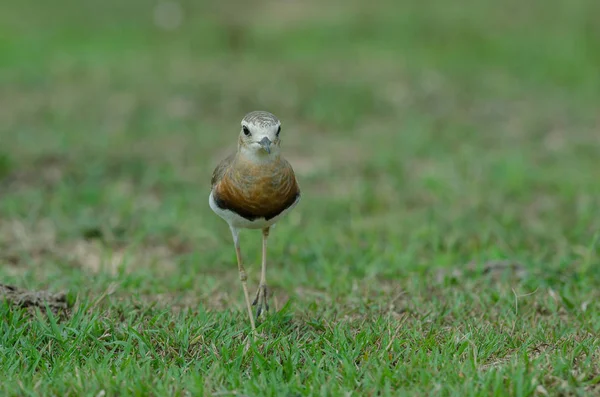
(283, 322)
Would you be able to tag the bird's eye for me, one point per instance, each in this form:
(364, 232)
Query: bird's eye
(278, 130)
(246, 130)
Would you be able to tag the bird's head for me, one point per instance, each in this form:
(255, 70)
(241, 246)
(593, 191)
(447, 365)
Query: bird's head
(259, 137)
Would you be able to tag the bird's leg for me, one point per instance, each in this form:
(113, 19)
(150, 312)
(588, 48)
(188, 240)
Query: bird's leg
(261, 295)
(243, 275)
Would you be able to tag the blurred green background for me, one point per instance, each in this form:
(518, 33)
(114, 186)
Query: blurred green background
(432, 141)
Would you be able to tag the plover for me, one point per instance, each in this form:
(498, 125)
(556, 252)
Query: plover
(253, 189)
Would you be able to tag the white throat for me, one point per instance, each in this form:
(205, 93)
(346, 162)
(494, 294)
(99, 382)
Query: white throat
(258, 155)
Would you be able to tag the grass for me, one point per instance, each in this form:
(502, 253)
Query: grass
(446, 243)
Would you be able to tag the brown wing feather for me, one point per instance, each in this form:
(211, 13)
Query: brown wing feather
(221, 169)
(257, 191)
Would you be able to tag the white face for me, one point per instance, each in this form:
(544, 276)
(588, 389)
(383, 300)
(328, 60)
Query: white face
(260, 141)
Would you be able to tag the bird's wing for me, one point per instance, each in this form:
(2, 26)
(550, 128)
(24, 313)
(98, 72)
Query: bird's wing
(220, 170)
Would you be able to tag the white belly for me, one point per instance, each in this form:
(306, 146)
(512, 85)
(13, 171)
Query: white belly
(238, 222)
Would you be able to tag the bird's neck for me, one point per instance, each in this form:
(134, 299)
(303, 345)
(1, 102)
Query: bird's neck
(247, 156)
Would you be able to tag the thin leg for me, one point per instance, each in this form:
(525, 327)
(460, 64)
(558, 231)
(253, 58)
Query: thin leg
(261, 295)
(243, 275)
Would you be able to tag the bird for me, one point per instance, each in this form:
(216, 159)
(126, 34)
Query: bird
(254, 188)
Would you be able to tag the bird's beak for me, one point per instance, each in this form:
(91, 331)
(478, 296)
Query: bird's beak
(266, 144)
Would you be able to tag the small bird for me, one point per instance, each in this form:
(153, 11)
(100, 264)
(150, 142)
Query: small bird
(253, 189)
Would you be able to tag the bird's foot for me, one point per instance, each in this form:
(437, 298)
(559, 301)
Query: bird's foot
(262, 306)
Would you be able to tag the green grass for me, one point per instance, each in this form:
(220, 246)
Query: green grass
(447, 242)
